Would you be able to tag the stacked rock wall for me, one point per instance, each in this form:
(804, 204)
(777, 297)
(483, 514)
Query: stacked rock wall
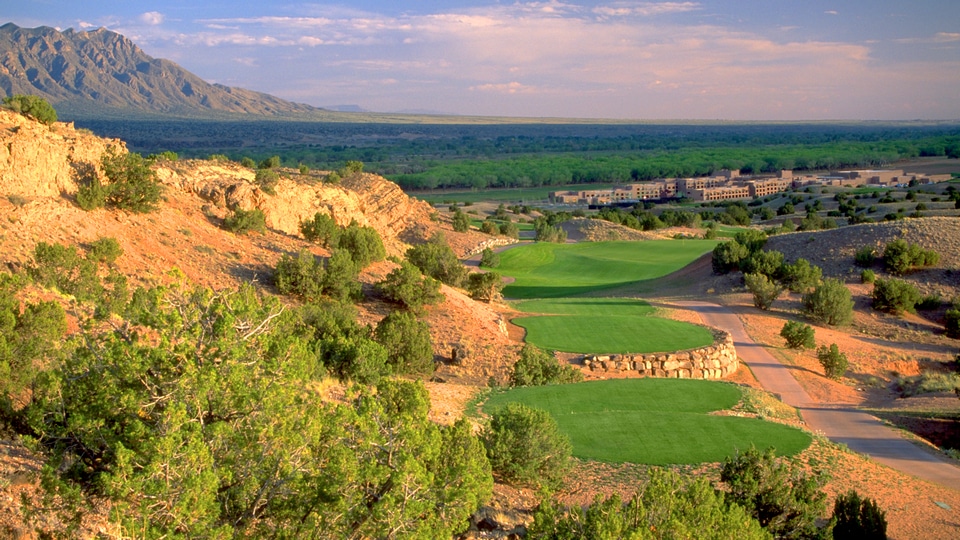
(713, 362)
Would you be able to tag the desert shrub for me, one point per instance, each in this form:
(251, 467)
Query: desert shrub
(303, 169)
(952, 323)
(363, 244)
(727, 256)
(786, 501)
(30, 337)
(340, 277)
(768, 263)
(436, 259)
(166, 155)
(833, 361)
(267, 179)
(104, 250)
(752, 239)
(271, 162)
(930, 302)
(510, 229)
(798, 335)
(300, 276)
(858, 519)
(899, 257)
(765, 291)
(830, 303)
(91, 193)
(927, 383)
(461, 223)
(407, 342)
(248, 162)
(489, 227)
(895, 296)
(868, 276)
(33, 106)
(243, 221)
(489, 258)
(406, 285)
(547, 231)
(351, 168)
(62, 268)
(484, 286)
(133, 185)
(667, 505)
(537, 367)
(322, 229)
(801, 276)
(525, 447)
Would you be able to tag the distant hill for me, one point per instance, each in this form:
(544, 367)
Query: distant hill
(101, 72)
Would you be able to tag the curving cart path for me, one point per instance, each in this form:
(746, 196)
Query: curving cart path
(861, 432)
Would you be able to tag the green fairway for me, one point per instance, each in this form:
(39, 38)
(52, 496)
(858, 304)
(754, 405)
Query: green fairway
(606, 326)
(653, 421)
(546, 270)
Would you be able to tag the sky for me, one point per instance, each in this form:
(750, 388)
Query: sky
(619, 59)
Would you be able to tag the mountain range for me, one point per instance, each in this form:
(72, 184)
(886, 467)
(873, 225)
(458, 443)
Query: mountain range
(102, 73)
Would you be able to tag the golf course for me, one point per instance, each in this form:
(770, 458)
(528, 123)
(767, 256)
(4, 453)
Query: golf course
(550, 281)
(653, 421)
(559, 288)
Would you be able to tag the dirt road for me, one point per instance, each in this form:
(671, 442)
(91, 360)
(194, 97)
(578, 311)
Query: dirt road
(861, 432)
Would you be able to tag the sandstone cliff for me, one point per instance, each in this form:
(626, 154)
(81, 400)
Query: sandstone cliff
(41, 161)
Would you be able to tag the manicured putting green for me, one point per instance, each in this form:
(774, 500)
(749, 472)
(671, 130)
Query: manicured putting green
(547, 270)
(653, 421)
(606, 326)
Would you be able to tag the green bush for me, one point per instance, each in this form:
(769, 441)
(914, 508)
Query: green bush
(895, 296)
(865, 257)
(322, 229)
(787, 502)
(407, 341)
(244, 221)
(952, 323)
(406, 285)
(868, 276)
(133, 185)
(363, 244)
(537, 367)
(340, 277)
(768, 263)
(436, 259)
(271, 162)
(33, 106)
(801, 276)
(461, 223)
(667, 505)
(489, 258)
(62, 268)
(30, 338)
(930, 302)
(858, 519)
(489, 227)
(525, 447)
(105, 250)
(727, 256)
(248, 162)
(484, 286)
(91, 193)
(267, 179)
(300, 276)
(899, 257)
(833, 361)
(510, 229)
(765, 291)
(798, 335)
(831, 303)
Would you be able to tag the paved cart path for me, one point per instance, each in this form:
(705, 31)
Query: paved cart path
(861, 432)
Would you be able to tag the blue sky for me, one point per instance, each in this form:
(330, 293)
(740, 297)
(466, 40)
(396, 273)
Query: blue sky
(709, 59)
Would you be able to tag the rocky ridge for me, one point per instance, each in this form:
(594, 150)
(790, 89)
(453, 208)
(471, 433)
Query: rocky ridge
(82, 72)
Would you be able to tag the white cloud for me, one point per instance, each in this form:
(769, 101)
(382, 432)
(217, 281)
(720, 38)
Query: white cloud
(645, 9)
(152, 18)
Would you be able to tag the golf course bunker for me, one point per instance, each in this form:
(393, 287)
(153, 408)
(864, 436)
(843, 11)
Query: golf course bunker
(653, 421)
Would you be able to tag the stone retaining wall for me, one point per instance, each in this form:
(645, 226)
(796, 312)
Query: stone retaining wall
(491, 243)
(713, 362)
